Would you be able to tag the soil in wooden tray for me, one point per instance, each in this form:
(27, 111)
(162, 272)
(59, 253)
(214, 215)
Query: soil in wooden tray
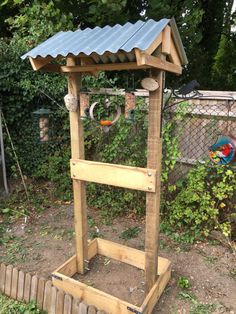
(115, 278)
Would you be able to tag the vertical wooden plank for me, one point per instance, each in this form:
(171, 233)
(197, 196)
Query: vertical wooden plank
(83, 308)
(27, 287)
(53, 300)
(20, 288)
(92, 309)
(8, 280)
(153, 199)
(75, 306)
(34, 288)
(47, 296)
(14, 283)
(77, 152)
(40, 293)
(67, 304)
(3, 269)
(60, 302)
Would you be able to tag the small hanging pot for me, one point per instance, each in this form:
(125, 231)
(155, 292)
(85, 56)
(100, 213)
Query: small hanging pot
(223, 152)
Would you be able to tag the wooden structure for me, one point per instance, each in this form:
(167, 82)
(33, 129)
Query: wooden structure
(153, 45)
(26, 287)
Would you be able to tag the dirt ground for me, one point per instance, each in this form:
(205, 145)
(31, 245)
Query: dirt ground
(45, 242)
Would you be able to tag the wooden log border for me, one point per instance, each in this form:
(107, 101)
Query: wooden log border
(25, 287)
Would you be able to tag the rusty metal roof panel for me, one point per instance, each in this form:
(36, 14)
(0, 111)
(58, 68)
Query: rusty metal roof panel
(100, 40)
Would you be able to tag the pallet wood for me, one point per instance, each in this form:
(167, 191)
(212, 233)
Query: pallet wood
(153, 200)
(75, 306)
(117, 175)
(77, 152)
(155, 44)
(174, 57)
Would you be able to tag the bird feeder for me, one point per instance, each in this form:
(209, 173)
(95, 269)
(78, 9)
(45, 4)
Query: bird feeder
(42, 115)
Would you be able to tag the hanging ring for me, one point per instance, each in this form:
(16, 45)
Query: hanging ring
(105, 124)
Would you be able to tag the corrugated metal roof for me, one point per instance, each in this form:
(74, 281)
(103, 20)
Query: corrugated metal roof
(96, 42)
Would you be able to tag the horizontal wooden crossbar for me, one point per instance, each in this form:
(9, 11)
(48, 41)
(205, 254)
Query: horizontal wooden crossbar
(117, 175)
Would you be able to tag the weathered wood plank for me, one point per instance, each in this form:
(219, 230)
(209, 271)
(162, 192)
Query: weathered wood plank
(8, 280)
(47, 296)
(34, 288)
(92, 309)
(67, 304)
(27, 288)
(153, 199)
(60, 302)
(53, 300)
(77, 152)
(116, 175)
(14, 283)
(83, 308)
(20, 288)
(75, 306)
(2, 277)
(40, 292)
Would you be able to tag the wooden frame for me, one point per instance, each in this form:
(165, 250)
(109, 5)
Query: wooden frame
(157, 270)
(61, 278)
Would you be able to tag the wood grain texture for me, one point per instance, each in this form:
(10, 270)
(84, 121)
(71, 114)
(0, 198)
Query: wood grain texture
(77, 151)
(27, 287)
(153, 200)
(117, 175)
(9, 270)
(166, 40)
(14, 283)
(47, 296)
(2, 277)
(53, 300)
(67, 304)
(60, 302)
(20, 288)
(40, 292)
(75, 306)
(34, 288)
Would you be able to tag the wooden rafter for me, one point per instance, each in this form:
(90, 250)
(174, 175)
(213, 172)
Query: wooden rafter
(174, 56)
(166, 40)
(144, 59)
(38, 63)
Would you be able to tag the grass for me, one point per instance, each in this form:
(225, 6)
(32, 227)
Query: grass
(9, 306)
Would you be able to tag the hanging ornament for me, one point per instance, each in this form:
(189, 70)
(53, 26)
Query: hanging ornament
(105, 123)
(224, 150)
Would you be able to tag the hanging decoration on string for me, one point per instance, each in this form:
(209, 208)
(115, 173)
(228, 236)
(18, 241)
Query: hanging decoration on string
(112, 115)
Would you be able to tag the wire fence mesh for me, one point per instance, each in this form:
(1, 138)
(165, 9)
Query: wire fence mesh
(203, 119)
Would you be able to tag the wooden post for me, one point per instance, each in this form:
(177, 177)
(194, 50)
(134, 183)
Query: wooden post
(154, 154)
(77, 152)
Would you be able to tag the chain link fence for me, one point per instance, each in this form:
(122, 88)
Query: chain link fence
(204, 118)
